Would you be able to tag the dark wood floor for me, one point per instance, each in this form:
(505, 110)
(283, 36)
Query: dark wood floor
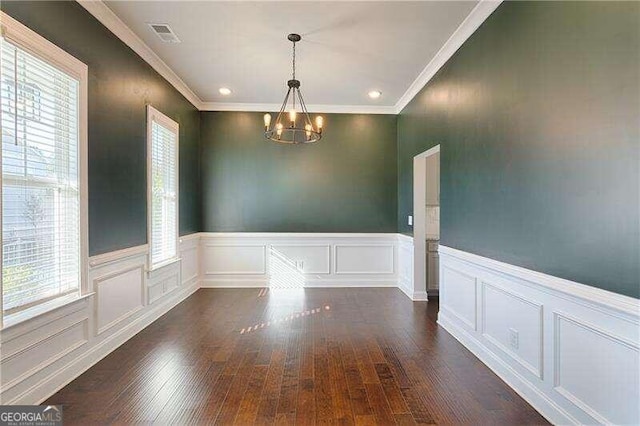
(244, 356)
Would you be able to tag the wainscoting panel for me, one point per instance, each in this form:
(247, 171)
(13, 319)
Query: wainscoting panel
(405, 265)
(190, 259)
(307, 259)
(236, 259)
(460, 296)
(292, 260)
(163, 281)
(513, 324)
(570, 350)
(42, 354)
(365, 259)
(118, 295)
(610, 361)
(25, 356)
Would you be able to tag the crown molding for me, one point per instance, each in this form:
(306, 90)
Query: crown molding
(471, 23)
(326, 109)
(114, 24)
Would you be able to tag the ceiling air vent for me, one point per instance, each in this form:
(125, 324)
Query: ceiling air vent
(165, 33)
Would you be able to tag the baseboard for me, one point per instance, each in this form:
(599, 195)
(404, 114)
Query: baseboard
(420, 296)
(248, 283)
(521, 386)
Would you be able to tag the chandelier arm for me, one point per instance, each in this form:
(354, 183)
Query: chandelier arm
(283, 107)
(304, 109)
(294, 97)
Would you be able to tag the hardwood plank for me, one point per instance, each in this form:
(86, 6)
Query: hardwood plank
(391, 390)
(379, 404)
(248, 410)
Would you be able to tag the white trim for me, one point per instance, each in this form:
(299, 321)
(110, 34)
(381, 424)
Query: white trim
(276, 235)
(576, 291)
(69, 355)
(537, 399)
(610, 315)
(103, 278)
(45, 310)
(65, 375)
(114, 256)
(550, 368)
(536, 370)
(29, 40)
(327, 109)
(110, 20)
(168, 123)
(472, 22)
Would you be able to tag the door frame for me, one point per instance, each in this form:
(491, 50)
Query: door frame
(419, 223)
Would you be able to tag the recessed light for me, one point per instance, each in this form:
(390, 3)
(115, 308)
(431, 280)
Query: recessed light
(224, 91)
(375, 94)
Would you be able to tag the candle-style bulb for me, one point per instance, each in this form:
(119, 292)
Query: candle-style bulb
(279, 130)
(292, 117)
(267, 121)
(319, 122)
(308, 128)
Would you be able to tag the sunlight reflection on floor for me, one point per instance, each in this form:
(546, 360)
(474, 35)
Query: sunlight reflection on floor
(291, 317)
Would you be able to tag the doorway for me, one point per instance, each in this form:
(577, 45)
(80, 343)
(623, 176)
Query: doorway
(426, 222)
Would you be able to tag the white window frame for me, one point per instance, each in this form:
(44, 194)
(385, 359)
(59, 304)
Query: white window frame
(35, 44)
(155, 115)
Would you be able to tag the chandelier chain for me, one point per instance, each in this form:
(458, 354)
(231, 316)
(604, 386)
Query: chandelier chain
(294, 60)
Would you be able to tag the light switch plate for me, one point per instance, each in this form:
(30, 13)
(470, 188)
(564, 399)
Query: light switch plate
(410, 220)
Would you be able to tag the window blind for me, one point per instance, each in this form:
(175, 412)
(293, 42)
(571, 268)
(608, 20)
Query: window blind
(164, 191)
(40, 180)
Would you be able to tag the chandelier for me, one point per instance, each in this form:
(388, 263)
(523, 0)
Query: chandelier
(293, 124)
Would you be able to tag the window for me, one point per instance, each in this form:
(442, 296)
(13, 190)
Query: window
(43, 98)
(162, 182)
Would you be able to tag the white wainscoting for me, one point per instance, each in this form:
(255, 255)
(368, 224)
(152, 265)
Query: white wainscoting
(292, 260)
(42, 354)
(405, 270)
(572, 351)
(574, 355)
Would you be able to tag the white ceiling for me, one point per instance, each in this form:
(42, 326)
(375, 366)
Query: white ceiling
(348, 48)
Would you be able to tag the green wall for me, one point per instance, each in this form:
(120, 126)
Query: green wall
(344, 183)
(538, 117)
(120, 86)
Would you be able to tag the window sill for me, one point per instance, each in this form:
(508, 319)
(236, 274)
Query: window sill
(162, 265)
(39, 310)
